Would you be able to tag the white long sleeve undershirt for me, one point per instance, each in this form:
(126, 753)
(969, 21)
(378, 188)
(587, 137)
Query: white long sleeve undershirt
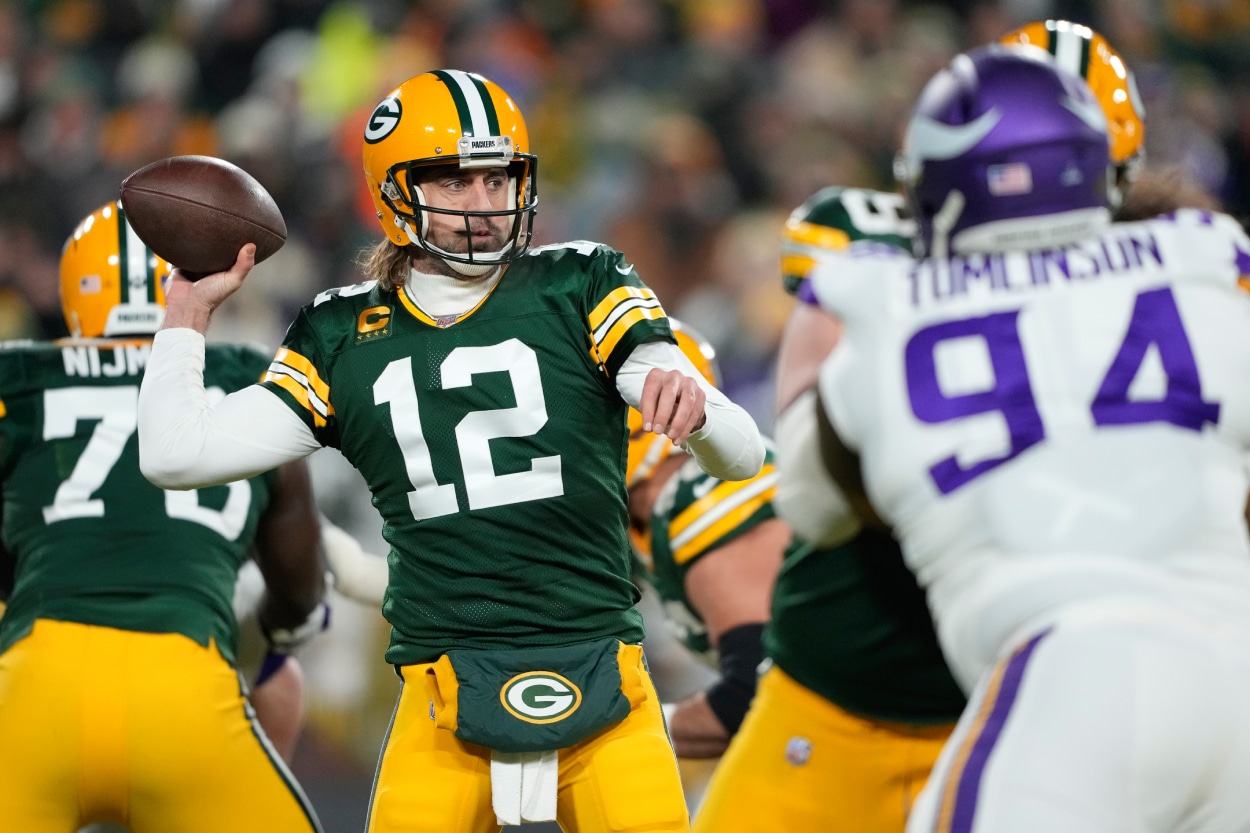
(186, 443)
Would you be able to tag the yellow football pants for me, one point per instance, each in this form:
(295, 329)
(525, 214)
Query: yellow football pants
(150, 731)
(623, 779)
(801, 763)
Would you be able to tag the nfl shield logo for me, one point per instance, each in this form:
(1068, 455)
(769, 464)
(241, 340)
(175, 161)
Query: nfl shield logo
(798, 750)
(445, 321)
(1010, 180)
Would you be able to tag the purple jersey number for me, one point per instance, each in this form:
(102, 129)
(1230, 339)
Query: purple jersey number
(1155, 320)
(1011, 395)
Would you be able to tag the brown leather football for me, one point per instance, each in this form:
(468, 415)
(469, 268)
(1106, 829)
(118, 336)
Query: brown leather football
(198, 211)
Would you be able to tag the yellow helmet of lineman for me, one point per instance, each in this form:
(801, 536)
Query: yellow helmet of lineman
(646, 449)
(448, 117)
(111, 284)
(1084, 52)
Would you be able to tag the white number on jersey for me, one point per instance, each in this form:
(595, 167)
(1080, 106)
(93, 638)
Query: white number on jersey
(116, 408)
(431, 499)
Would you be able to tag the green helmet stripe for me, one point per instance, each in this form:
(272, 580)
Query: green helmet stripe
(1069, 50)
(1086, 43)
(137, 268)
(492, 117)
(473, 105)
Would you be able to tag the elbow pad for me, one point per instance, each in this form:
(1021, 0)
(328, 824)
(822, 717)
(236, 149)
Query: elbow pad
(741, 651)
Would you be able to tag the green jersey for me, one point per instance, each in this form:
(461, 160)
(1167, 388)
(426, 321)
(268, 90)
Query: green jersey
(494, 443)
(834, 218)
(851, 623)
(94, 541)
(695, 514)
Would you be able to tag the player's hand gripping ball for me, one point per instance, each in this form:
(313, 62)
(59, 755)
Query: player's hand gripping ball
(198, 211)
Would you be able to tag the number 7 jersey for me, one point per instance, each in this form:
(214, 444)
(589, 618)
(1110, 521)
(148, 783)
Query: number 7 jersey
(95, 542)
(1041, 427)
(494, 445)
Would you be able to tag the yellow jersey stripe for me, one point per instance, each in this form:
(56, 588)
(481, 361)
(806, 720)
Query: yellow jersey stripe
(798, 265)
(616, 296)
(4, 411)
(723, 527)
(622, 326)
(813, 234)
(619, 312)
(305, 368)
(298, 391)
(722, 499)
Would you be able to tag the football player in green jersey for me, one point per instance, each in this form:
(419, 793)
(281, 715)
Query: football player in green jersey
(857, 702)
(481, 387)
(711, 549)
(119, 700)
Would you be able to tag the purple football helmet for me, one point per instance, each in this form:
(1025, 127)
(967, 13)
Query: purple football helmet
(1005, 150)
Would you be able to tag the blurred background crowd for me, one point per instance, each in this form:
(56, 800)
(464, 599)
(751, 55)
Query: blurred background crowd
(679, 131)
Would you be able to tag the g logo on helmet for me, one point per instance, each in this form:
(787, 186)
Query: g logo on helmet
(540, 697)
(384, 119)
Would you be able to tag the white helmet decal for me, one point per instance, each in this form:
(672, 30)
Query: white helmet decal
(384, 120)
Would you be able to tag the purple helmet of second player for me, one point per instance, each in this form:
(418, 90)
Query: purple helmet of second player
(1005, 150)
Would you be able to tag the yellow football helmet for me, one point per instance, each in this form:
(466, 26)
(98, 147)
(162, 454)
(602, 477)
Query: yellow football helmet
(647, 450)
(111, 284)
(448, 117)
(1084, 52)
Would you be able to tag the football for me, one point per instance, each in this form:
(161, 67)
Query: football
(198, 211)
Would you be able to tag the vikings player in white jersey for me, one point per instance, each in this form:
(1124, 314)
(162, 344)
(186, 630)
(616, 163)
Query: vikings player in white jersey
(1052, 413)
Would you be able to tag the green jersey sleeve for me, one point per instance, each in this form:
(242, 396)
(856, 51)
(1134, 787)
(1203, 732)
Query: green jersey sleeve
(300, 370)
(622, 312)
(833, 219)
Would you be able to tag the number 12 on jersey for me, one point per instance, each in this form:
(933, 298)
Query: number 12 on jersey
(431, 499)
(1155, 320)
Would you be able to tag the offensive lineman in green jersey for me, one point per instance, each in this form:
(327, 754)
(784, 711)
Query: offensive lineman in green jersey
(118, 696)
(711, 549)
(481, 388)
(857, 702)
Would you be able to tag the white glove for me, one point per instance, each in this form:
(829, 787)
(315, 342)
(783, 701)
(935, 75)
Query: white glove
(357, 574)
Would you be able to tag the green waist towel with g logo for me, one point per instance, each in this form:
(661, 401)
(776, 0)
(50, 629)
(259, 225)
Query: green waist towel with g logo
(534, 699)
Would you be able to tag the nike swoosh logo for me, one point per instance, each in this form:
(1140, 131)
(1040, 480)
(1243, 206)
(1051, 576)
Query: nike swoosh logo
(1089, 112)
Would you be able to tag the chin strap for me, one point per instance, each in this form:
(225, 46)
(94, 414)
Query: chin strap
(943, 221)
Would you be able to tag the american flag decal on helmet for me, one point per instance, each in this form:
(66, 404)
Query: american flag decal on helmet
(1010, 179)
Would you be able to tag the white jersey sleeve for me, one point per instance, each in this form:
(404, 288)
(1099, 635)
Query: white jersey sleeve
(186, 443)
(729, 445)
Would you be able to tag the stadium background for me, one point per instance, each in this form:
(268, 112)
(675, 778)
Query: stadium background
(680, 131)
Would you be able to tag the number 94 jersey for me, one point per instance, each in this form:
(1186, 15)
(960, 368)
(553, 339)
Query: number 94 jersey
(1043, 426)
(494, 445)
